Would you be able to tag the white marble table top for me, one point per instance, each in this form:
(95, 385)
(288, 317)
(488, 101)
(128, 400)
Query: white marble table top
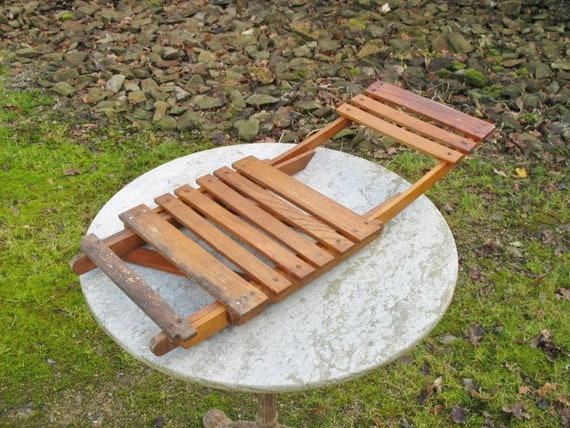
(364, 313)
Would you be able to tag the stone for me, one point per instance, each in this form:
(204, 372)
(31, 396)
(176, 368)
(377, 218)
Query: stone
(531, 142)
(459, 43)
(136, 97)
(65, 74)
(169, 53)
(115, 83)
(510, 8)
(262, 74)
(261, 100)
(189, 120)
(168, 123)
(63, 88)
(237, 100)
(207, 102)
(368, 50)
(27, 53)
(247, 129)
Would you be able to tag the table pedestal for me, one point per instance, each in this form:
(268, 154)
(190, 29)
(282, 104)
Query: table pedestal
(266, 416)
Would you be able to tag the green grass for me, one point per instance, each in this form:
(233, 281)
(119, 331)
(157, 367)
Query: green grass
(58, 368)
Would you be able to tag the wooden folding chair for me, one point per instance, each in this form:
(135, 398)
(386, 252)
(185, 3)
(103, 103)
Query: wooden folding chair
(277, 232)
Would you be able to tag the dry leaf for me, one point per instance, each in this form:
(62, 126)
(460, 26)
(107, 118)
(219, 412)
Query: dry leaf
(499, 172)
(524, 389)
(458, 415)
(521, 172)
(547, 388)
(563, 293)
(71, 171)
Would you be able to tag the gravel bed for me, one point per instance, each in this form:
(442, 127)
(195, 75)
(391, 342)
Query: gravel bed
(243, 70)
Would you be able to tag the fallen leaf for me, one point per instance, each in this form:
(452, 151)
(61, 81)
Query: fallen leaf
(547, 388)
(71, 171)
(499, 172)
(427, 392)
(544, 341)
(517, 410)
(521, 172)
(475, 334)
(458, 415)
(562, 293)
(524, 389)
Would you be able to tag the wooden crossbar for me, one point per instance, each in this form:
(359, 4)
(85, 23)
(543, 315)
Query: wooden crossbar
(252, 234)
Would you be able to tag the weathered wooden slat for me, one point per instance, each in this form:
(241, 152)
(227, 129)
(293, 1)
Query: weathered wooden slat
(126, 240)
(413, 123)
(305, 248)
(254, 238)
(475, 128)
(316, 229)
(336, 215)
(242, 299)
(154, 306)
(401, 135)
(266, 276)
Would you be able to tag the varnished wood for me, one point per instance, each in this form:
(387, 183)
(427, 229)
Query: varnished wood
(271, 281)
(433, 110)
(277, 231)
(316, 229)
(391, 207)
(154, 306)
(207, 321)
(126, 240)
(412, 123)
(334, 214)
(248, 234)
(401, 135)
(256, 215)
(312, 141)
(240, 298)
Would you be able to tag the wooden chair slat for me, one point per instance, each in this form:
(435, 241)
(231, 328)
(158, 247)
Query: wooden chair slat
(409, 122)
(316, 229)
(253, 237)
(475, 128)
(272, 282)
(305, 248)
(401, 135)
(242, 299)
(336, 215)
(157, 309)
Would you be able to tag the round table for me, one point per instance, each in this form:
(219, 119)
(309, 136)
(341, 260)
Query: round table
(364, 313)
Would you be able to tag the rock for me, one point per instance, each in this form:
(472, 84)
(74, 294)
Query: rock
(262, 74)
(136, 97)
(188, 120)
(115, 83)
(168, 123)
(169, 53)
(458, 43)
(531, 142)
(246, 130)
(261, 99)
(510, 8)
(27, 53)
(206, 102)
(237, 100)
(63, 88)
